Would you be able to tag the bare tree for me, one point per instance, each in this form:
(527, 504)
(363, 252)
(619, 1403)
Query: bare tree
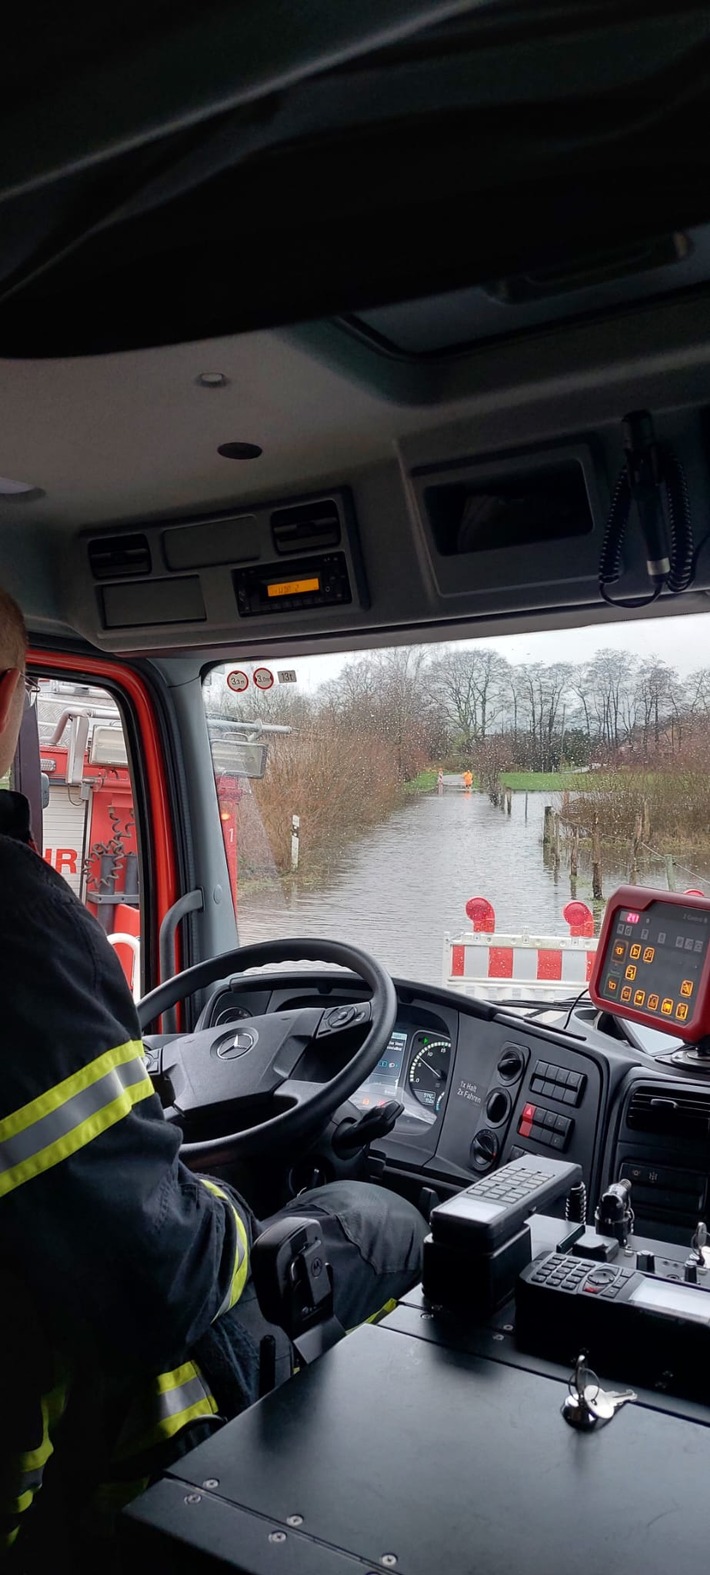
(471, 687)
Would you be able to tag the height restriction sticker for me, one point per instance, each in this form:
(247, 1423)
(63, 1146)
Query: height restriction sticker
(237, 681)
(263, 678)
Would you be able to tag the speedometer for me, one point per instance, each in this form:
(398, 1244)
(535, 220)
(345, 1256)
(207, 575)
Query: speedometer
(429, 1070)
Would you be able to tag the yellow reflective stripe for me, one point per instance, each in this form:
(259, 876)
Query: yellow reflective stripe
(17, 1506)
(180, 1375)
(31, 1462)
(388, 1308)
(52, 1407)
(241, 1256)
(375, 1317)
(49, 1110)
(173, 1400)
(45, 1103)
(174, 1424)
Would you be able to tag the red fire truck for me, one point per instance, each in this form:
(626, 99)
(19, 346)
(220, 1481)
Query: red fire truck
(89, 829)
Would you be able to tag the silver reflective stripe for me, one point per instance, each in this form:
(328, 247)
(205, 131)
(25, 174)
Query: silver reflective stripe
(30, 1481)
(239, 1267)
(229, 1297)
(69, 1115)
(172, 1401)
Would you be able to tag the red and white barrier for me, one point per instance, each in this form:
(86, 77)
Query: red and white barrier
(489, 965)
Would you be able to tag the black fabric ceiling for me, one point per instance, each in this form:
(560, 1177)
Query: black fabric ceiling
(172, 171)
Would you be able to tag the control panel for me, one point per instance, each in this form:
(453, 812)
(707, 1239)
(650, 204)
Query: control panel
(653, 961)
(648, 1318)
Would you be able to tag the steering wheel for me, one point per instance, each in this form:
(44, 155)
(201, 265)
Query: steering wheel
(242, 1066)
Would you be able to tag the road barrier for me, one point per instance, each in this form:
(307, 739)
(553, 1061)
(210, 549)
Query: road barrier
(491, 966)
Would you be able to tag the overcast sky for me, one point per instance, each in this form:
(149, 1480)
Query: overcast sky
(682, 641)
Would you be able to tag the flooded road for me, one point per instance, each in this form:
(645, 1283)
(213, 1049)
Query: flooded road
(399, 889)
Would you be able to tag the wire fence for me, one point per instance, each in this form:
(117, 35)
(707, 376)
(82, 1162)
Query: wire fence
(671, 865)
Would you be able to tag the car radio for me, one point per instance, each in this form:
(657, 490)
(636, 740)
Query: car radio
(653, 961)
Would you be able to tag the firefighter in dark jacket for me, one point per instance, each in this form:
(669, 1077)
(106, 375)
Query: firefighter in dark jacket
(124, 1291)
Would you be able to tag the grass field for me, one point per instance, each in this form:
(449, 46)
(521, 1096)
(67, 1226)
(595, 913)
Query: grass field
(423, 783)
(548, 782)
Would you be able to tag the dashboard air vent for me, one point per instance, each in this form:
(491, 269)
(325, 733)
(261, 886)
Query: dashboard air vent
(306, 526)
(115, 557)
(674, 1112)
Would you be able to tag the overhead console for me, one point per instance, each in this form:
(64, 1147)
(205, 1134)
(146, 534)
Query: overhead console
(269, 565)
(450, 530)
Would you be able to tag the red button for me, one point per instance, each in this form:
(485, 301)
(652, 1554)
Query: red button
(529, 1113)
(525, 1128)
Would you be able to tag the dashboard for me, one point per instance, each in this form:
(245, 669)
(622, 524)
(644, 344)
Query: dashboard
(415, 1069)
(480, 1085)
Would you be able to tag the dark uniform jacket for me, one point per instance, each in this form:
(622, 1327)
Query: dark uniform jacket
(123, 1257)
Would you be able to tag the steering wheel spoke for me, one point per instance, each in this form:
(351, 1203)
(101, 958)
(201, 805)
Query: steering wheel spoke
(248, 1070)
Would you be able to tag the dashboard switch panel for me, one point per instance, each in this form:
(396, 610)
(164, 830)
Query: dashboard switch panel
(547, 1127)
(555, 1082)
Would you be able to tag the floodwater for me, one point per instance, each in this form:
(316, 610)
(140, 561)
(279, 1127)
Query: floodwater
(398, 890)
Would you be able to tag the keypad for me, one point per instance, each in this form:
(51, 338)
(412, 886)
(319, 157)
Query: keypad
(580, 1274)
(507, 1187)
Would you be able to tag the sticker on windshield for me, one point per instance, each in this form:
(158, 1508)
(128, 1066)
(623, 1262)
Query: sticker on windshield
(287, 675)
(263, 678)
(238, 681)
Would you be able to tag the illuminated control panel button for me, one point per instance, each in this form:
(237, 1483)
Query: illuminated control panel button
(620, 949)
(635, 953)
(653, 1003)
(667, 1007)
(630, 973)
(681, 1011)
(626, 993)
(686, 988)
(639, 997)
(649, 954)
(612, 984)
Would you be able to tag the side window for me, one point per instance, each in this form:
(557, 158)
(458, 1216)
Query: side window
(88, 820)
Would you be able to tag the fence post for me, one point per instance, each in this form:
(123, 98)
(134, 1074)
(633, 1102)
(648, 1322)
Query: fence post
(670, 872)
(295, 840)
(556, 847)
(596, 859)
(526, 808)
(509, 800)
(547, 826)
(635, 846)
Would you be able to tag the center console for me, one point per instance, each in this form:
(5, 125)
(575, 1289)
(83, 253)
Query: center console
(448, 1435)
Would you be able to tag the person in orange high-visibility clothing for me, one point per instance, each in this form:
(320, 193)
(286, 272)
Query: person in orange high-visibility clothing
(468, 780)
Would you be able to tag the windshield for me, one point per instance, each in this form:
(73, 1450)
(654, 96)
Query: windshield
(442, 805)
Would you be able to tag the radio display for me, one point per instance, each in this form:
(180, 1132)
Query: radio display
(293, 587)
(653, 961)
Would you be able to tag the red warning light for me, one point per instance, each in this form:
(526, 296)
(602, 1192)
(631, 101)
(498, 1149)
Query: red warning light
(631, 918)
